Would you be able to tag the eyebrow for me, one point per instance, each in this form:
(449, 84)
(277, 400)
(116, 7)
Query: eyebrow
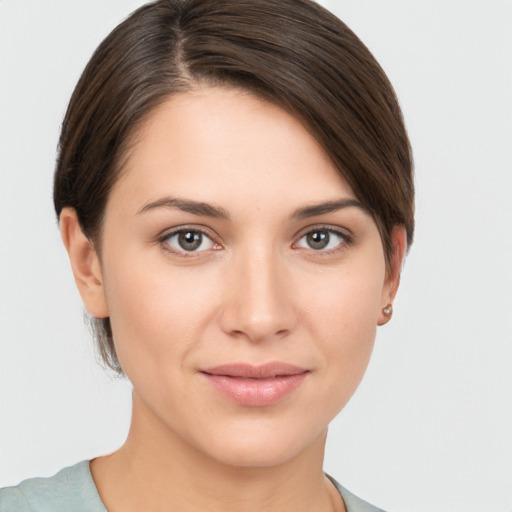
(207, 210)
(186, 205)
(327, 207)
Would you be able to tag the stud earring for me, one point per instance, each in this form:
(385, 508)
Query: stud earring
(388, 310)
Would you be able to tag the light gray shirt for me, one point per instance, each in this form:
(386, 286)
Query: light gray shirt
(72, 490)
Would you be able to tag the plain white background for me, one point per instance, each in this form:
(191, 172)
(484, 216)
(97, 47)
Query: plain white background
(430, 428)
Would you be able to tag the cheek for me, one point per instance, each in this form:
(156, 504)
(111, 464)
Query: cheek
(342, 316)
(345, 300)
(155, 312)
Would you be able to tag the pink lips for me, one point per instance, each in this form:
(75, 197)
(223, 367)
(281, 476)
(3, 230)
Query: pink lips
(256, 385)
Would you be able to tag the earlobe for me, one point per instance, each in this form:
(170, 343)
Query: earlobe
(399, 244)
(85, 264)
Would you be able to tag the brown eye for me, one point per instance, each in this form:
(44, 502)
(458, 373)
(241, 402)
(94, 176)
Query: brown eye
(189, 240)
(321, 239)
(318, 239)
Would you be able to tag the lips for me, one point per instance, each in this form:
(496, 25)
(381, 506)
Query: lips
(255, 386)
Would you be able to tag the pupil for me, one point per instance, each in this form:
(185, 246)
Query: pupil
(190, 240)
(318, 239)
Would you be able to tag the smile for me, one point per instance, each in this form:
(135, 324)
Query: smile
(256, 386)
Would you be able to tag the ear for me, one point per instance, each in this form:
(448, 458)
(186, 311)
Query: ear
(85, 264)
(399, 247)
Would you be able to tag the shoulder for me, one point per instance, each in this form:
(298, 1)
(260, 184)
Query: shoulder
(70, 489)
(352, 502)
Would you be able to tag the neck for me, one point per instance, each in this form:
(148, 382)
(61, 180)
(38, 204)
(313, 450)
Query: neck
(156, 470)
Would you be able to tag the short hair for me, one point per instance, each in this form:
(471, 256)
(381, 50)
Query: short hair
(293, 53)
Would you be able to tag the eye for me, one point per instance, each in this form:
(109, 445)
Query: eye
(189, 240)
(321, 240)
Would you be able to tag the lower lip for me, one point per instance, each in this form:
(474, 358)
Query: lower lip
(256, 392)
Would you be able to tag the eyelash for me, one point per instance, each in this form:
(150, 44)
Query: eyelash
(164, 241)
(346, 240)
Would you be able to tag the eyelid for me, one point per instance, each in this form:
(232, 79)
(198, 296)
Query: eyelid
(168, 233)
(205, 230)
(339, 230)
(344, 233)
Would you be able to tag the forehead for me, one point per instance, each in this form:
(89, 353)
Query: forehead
(226, 144)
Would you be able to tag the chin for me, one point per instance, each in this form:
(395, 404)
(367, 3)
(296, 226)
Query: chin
(263, 446)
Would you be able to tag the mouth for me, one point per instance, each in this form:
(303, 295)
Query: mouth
(255, 386)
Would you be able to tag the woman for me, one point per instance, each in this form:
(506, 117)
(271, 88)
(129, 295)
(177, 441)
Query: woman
(234, 190)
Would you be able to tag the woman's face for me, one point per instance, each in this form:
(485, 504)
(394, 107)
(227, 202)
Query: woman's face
(243, 280)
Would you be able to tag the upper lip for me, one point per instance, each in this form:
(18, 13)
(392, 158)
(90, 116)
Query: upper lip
(249, 371)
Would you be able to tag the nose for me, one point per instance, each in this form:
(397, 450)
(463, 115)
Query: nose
(258, 303)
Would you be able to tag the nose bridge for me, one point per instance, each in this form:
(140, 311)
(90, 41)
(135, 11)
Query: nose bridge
(259, 306)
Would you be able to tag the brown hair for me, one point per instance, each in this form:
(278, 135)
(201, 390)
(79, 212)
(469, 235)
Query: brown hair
(292, 52)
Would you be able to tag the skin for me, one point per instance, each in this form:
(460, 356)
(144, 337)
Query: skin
(256, 291)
